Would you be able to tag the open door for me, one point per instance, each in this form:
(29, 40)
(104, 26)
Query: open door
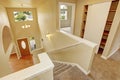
(23, 46)
(66, 17)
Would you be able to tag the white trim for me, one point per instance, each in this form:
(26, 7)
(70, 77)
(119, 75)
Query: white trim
(113, 52)
(110, 54)
(74, 64)
(32, 52)
(83, 70)
(55, 50)
(9, 50)
(104, 57)
(81, 40)
(73, 14)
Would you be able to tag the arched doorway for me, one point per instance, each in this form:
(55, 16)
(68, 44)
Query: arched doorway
(7, 39)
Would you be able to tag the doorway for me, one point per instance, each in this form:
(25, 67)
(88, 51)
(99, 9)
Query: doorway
(66, 17)
(23, 46)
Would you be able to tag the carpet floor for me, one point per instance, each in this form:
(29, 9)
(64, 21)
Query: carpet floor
(64, 71)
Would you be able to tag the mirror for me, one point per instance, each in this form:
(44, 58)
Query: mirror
(32, 43)
(23, 44)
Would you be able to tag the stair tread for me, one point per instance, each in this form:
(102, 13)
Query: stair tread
(57, 68)
(59, 71)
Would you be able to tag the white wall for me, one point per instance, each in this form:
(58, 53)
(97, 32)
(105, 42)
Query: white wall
(96, 19)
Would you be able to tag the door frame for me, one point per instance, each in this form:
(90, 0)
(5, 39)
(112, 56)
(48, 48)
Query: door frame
(73, 14)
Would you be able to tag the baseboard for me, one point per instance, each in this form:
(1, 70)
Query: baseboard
(104, 57)
(113, 52)
(83, 70)
(110, 54)
(74, 64)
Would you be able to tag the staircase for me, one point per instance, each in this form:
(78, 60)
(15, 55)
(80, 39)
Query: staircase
(60, 69)
(63, 71)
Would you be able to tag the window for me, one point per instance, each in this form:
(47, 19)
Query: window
(63, 15)
(23, 16)
(63, 7)
(63, 12)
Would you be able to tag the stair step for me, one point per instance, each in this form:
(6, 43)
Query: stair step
(62, 69)
(59, 67)
(57, 64)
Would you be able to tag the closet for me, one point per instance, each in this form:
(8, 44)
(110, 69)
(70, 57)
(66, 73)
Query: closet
(84, 20)
(109, 21)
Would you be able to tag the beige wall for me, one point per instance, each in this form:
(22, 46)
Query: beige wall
(97, 1)
(4, 65)
(47, 17)
(19, 32)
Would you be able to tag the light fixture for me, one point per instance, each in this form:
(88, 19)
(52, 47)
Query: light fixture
(25, 26)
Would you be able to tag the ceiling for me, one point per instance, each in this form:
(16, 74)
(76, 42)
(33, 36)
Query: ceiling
(21, 3)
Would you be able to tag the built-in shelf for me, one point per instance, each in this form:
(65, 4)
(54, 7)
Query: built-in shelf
(102, 44)
(84, 20)
(106, 33)
(112, 10)
(104, 37)
(109, 22)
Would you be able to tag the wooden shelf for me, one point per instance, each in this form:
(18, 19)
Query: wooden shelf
(106, 33)
(112, 11)
(103, 42)
(102, 46)
(84, 20)
(107, 29)
(108, 24)
(104, 37)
